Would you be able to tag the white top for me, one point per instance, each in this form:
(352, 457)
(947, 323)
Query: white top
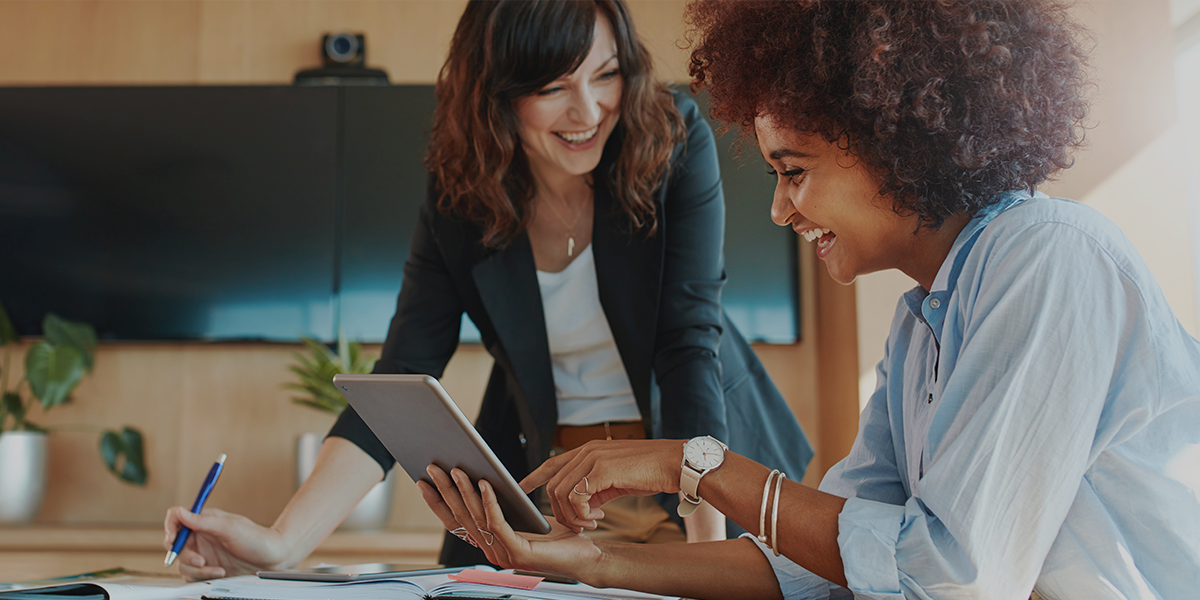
(589, 378)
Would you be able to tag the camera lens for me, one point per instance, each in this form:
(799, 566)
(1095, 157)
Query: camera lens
(341, 47)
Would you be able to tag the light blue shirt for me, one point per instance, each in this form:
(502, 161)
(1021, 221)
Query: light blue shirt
(1036, 426)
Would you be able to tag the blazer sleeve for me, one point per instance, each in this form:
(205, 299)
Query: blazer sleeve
(425, 328)
(689, 319)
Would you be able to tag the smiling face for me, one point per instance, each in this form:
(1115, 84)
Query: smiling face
(831, 199)
(564, 125)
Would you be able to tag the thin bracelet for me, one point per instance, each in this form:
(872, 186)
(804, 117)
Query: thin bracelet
(762, 512)
(775, 514)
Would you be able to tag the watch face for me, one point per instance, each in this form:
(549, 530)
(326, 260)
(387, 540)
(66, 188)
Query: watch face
(703, 453)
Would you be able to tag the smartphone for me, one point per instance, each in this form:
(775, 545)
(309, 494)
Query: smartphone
(360, 572)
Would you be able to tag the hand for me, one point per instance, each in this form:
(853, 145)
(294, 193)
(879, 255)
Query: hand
(579, 482)
(475, 516)
(222, 544)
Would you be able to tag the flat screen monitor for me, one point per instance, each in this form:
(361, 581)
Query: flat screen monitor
(264, 213)
(170, 213)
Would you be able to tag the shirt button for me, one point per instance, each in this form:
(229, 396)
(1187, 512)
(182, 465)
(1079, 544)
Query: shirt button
(934, 303)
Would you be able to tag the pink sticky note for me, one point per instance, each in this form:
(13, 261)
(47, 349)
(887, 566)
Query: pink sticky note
(521, 582)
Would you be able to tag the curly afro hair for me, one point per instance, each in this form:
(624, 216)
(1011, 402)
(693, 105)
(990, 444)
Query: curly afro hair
(947, 102)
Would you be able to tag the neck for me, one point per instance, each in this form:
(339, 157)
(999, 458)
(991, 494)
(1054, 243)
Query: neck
(930, 249)
(561, 188)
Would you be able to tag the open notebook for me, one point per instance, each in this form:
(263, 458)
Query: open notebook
(408, 588)
(118, 584)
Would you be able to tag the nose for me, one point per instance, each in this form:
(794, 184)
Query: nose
(585, 108)
(782, 208)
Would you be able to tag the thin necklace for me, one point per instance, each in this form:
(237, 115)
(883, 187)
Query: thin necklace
(570, 227)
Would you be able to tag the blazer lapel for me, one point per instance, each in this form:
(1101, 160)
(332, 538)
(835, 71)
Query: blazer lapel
(508, 287)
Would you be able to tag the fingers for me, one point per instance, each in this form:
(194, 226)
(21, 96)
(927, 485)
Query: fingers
(171, 526)
(506, 539)
(455, 498)
(193, 567)
(496, 553)
(548, 469)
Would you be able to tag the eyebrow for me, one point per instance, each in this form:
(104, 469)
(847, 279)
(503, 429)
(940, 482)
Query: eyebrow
(610, 59)
(787, 153)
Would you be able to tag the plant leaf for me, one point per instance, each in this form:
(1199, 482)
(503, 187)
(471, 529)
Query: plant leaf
(77, 334)
(10, 404)
(8, 333)
(127, 445)
(53, 372)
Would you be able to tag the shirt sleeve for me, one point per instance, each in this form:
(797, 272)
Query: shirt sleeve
(798, 583)
(1033, 334)
(689, 317)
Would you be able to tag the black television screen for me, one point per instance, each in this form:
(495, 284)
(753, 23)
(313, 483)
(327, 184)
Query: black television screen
(169, 212)
(261, 213)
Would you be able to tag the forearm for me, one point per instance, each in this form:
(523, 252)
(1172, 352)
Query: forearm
(807, 524)
(343, 474)
(723, 570)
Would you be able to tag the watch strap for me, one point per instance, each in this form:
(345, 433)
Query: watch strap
(689, 481)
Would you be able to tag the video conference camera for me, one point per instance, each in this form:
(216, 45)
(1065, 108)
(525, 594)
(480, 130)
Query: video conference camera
(344, 57)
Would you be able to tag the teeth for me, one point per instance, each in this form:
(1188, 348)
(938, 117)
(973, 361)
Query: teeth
(813, 234)
(576, 138)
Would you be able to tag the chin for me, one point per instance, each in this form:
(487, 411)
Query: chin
(840, 275)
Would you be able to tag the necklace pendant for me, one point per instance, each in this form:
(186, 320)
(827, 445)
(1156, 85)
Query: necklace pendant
(570, 246)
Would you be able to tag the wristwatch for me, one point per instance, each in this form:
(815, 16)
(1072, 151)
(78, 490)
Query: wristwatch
(700, 455)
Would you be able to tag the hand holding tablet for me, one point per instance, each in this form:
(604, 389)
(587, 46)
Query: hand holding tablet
(420, 425)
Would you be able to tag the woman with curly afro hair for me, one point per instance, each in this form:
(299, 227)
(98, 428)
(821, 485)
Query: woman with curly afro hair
(1036, 425)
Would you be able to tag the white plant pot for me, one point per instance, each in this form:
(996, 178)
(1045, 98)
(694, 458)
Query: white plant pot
(372, 512)
(22, 475)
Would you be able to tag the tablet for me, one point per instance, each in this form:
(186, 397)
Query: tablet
(357, 572)
(420, 425)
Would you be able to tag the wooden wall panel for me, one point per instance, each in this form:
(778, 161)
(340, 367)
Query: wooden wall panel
(267, 42)
(81, 42)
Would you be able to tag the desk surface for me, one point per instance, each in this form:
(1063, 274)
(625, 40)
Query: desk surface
(37, 552)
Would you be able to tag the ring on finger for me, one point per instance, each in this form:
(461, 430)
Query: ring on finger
(586, 487)
(488, 538)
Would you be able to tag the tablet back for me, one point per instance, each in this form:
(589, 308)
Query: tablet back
(420, 425)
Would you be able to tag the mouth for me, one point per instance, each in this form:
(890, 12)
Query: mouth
(578, 137)
(823, 237)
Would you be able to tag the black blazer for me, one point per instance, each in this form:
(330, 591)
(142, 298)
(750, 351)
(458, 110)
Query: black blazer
(691, 370)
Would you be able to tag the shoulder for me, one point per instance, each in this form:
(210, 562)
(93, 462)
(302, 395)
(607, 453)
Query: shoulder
(687, 107)
(1064, 230)
(696, 152)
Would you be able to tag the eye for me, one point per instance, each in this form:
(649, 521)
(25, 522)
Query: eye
(610, 74)
(794, 174)
(548, 91)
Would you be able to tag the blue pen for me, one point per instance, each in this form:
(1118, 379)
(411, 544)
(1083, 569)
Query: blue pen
(205, 490)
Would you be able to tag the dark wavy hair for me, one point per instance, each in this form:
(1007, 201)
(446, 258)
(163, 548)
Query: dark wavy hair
(503, 50)
(947, 102)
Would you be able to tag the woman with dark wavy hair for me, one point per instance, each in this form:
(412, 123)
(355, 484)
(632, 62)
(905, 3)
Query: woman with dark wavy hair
(1036, 423)
(575, 214)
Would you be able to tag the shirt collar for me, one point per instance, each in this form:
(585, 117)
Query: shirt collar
(949, 269)
(927, 306)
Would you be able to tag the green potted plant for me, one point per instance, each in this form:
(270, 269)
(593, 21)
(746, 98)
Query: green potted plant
(54, 366)
(315, 388)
